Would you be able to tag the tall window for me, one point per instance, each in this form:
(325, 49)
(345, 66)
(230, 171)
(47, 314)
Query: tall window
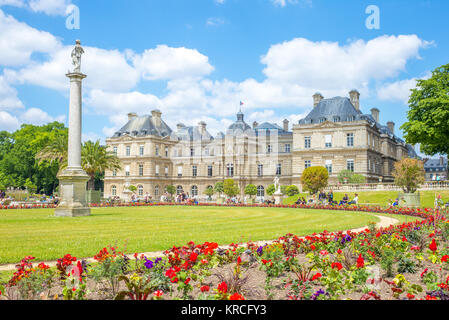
(269, 148)
(141, 150)
(192, 152)
(179, 189)
(350, 165)
(141, 170)
(156, 191)
(114, 173)
(140, 190)
(166, 152)
(114, 191)
(157, 151)
(260, 191)
(350, 139)
(157, 170)
(179, 171)
(194, 191)
(307, 142)
(194, 171)
(279, 169)
(328, 141)
(230, 170)
(260, 170)
(128, 151)
(307, 164)
(166, 171)
(115, 150)
(127, 171)
(287, 148)
(210, 171)
(329, 166)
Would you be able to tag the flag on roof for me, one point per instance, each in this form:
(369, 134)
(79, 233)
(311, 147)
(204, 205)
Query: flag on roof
(241, 103)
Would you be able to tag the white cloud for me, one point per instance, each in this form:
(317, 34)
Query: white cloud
(214, 21)
(8, 122)
(49, 7)
(8, 96)
(18, 41)
(399, 90)
(39, 117)
(163, 63)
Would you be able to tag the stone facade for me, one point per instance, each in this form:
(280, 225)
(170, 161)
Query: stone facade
(335, 134)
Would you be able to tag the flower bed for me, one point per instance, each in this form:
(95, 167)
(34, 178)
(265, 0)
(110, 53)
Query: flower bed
(408, 261)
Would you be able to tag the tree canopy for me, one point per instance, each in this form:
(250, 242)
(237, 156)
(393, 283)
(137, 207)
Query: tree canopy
(428, 117)
(314, 179)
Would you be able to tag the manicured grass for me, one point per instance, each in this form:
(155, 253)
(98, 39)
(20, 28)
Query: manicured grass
(147, 229)
(381, 197)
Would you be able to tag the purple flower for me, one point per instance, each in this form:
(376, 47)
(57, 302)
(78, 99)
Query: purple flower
(149, 264)
(260, 251)
(320, 292)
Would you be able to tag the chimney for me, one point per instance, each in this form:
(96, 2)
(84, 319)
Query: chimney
(132, 116)
(202, 126)
(255, 124)
(156, 115)
(390, 126)
(441, 161)
(286, 125)
(375, 113)
(355, 98)
(317, 97)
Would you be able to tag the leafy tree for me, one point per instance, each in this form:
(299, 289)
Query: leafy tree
(219, 187)
(314, 179)
(171, 190)
(95, 158)
(292, 190)
(31, 187)
(209, 192)
(428, 117)
(132, 188)
(357, 179)
(409, 174)
(251, 190)
(271, 189)
(347, 176)
(230, 188)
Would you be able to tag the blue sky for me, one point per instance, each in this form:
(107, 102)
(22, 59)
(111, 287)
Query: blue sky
(196, 60)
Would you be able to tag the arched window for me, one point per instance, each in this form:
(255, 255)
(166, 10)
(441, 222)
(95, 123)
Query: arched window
(156, 191)
(114, 190)
(260, 191)
(140, 191)
(194, 191)
(179, 190)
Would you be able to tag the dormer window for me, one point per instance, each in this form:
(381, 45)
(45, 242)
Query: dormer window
(337, 119)
(322, 120)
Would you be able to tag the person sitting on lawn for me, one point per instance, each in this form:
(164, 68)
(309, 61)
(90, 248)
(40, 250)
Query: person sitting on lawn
(345, 200)
(355, 201)
(330, 197)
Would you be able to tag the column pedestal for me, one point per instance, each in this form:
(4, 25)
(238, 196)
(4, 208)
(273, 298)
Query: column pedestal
(72, 186)
(278, 198)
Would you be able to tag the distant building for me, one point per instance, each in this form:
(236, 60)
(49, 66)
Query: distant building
(436, 169)
(335, 135)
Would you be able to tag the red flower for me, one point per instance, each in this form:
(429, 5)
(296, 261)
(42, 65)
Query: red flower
(239, 260)
(223, 287)
(236, 296)
(360, 262)
(317, 276)
(433, 246)
(158, 293)
(337, 265)
(444, 258)
(410, 296)
(205, 288)
(193, 257)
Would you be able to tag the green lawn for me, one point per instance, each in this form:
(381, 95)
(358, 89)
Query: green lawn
(39, 233)
(381, 197)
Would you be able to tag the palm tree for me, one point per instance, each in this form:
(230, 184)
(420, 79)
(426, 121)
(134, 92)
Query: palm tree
(95, 158)
(56, 151)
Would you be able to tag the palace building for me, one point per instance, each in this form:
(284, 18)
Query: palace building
(335, 134)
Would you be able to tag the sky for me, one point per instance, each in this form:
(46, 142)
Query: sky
(195, 60)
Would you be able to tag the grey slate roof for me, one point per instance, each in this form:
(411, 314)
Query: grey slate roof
(435, 165)
(192, 134)
(240, 126)
(266, 126)
(144, 126)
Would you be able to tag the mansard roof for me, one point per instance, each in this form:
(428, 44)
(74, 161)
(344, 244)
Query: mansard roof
(192, 133)
(328, 109)
(240, 126)
(267, 126)
(144, 126)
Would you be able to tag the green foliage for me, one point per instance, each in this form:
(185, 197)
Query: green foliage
(219, 187)
(388, 260)
(230, 188)
(406, 265)
(292, 190)
(428, 116)
(251, 190)
(347, 176)
(209, 192)
(271, 190)
(132, 188)
(409, 174)
(171, 190)
(314, 179)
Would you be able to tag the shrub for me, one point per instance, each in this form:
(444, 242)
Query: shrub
(271, 190)
(314, 179)
(409, 174)
(251, 190)
(292, 190)
(230, 188)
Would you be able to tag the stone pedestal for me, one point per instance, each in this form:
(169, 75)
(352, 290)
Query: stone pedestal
(72, 185)
(278, 198)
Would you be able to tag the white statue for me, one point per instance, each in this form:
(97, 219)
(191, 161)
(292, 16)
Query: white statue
(277, 185)
(76, 56)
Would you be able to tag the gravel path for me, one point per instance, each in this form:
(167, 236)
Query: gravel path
(384, 223)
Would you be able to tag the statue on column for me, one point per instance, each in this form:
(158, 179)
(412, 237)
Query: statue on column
(76, 56)
(277, 185)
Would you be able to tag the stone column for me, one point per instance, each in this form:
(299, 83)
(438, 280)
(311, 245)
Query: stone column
(72, 181)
